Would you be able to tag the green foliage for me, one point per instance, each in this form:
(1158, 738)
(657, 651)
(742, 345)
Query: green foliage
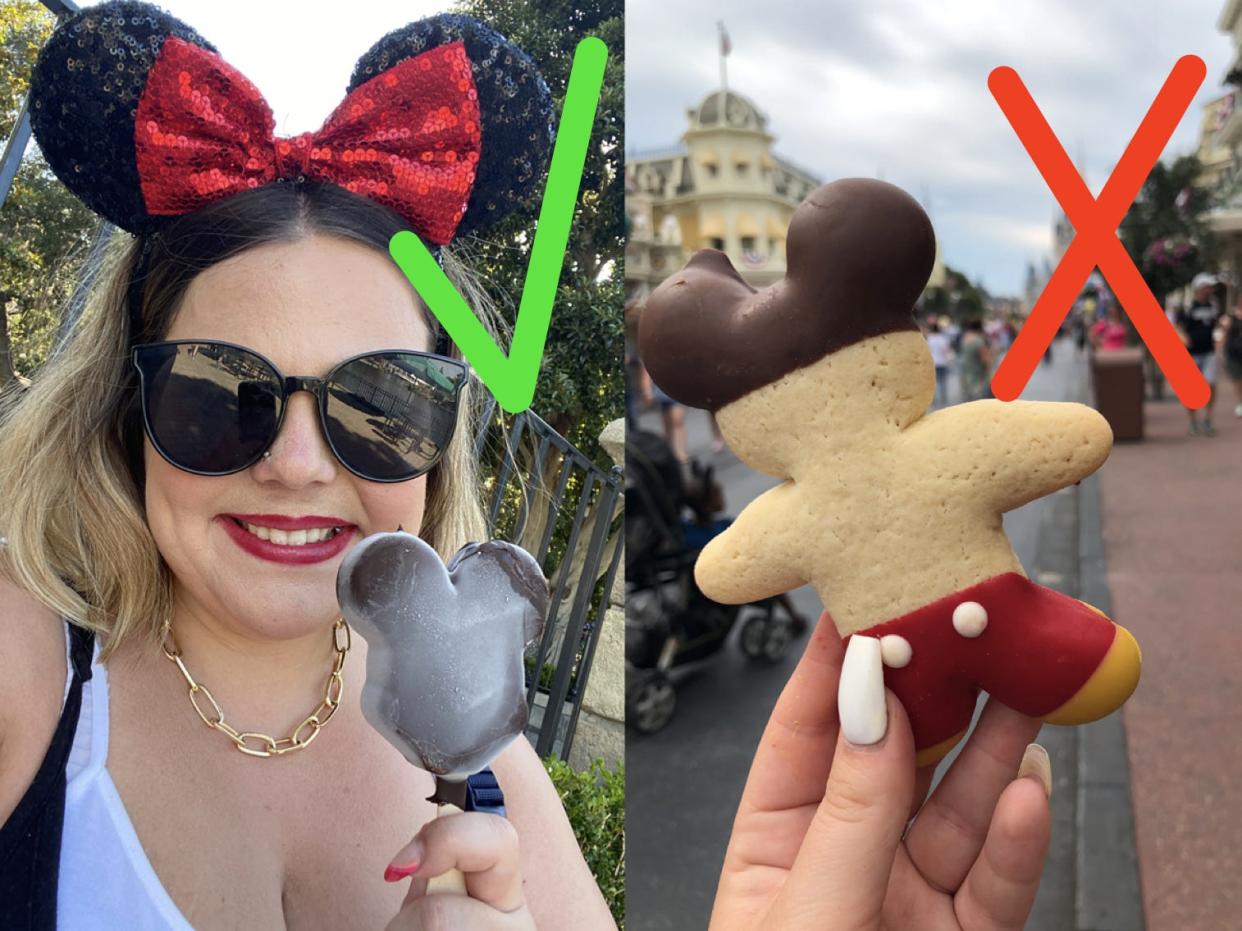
(595, 803)
(581, 387)
(46, 230)
(547, 673)
(24, 26)
(1166, 231)
(960, 299)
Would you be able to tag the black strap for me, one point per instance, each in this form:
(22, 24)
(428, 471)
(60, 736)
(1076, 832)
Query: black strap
(483, 793)
(30, 839)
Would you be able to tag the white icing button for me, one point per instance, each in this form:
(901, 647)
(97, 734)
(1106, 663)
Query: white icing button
(896, 651)
(970, 618)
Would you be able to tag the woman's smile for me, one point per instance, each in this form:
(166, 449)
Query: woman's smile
(288, 539)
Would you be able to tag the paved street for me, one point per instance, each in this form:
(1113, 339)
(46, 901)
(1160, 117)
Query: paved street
(1172, 511)
(684, 783)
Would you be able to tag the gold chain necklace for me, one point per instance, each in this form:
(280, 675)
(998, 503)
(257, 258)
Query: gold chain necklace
(264, 745)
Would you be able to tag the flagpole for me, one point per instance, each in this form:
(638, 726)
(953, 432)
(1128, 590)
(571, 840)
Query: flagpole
(724, 53)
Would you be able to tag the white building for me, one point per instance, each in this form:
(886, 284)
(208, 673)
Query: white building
(1220, 150)
(722, 188)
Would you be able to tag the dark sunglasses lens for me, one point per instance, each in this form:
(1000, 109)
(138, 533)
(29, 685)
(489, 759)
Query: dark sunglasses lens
(209, 408)
(391, 415)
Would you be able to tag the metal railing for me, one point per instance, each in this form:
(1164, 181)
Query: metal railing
(546, 495)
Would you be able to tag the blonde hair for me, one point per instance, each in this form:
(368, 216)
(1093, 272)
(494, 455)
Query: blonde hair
(71, 477)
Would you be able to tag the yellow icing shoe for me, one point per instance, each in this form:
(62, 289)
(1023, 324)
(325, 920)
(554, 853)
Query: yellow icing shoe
(1109, 686)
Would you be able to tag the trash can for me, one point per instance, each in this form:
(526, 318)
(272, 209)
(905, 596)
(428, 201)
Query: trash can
(1117, 377)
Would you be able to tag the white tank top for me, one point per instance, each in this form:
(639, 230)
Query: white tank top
(106, 880)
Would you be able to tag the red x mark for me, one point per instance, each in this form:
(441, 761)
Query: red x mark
(1095, 223)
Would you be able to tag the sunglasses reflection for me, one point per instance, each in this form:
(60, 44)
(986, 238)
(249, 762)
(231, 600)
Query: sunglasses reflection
(210, 407)
(214, 407)
(392, 409)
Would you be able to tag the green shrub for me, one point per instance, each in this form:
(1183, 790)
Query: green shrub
(547, 674)
(595, 802)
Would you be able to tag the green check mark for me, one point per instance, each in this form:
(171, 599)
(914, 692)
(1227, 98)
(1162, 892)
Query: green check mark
(512, 378)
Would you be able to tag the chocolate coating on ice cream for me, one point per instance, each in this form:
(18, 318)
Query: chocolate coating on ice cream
(446, 679)
(859, 253)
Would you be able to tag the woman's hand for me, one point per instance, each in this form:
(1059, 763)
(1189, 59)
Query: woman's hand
(484, 847)
(818, 839)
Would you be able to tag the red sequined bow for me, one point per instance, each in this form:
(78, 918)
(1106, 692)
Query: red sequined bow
(408, 138)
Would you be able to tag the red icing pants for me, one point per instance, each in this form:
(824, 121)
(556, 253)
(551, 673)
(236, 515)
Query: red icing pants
(1038, 649)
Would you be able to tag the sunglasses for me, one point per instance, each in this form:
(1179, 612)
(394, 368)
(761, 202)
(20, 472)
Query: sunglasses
(214, 408)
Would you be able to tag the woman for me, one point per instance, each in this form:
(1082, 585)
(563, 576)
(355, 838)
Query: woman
(191, 521)
(1110, 333)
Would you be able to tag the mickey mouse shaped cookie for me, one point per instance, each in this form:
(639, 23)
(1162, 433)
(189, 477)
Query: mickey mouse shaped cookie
(891, 513)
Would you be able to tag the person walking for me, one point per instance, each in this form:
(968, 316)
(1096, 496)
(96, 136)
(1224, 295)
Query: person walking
(672, 415)
(1110, 333)
(1231, 350)
(942, 358)
(974, 362)
(1197, 327)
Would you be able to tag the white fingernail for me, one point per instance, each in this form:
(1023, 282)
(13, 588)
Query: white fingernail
(860, 696)
(1035, 763)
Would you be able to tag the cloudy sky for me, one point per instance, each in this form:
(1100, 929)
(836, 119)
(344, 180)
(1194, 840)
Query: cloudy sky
(898, 89)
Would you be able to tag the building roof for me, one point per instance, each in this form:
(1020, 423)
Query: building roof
(727, 108)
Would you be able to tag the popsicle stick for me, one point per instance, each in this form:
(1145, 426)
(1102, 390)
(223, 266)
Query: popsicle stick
(454, 881)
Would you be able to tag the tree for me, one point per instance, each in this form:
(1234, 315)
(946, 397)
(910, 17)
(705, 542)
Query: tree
(581, 387)
(959, 299)
(46, 229)
(1165, 231)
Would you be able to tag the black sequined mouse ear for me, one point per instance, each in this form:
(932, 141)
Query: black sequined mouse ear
(84, 93)
(515, 109)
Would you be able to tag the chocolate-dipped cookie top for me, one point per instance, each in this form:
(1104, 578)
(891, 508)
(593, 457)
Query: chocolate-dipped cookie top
(858, 255)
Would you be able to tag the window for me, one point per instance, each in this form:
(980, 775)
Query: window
(712, 169)
(716, 243)
(743, 169)
(748, 243)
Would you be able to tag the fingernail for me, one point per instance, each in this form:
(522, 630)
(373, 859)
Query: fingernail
(1035, 763)
(406, 862)
(860, 695)
(396, 871)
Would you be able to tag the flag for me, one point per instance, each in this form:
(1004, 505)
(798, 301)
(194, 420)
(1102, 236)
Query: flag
(725, 45)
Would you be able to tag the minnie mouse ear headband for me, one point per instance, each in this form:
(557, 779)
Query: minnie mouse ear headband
(445, 122)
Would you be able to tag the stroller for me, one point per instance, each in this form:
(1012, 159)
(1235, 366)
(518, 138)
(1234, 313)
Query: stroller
(671, 627)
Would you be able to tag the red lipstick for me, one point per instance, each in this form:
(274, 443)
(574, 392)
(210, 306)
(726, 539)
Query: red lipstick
(306, 554)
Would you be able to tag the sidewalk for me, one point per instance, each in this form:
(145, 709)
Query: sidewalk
(1172, 517)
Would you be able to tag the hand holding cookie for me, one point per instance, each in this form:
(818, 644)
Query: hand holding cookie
(818, 839)
(892, 514)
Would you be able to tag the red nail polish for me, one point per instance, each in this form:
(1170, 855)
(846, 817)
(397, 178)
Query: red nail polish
(397, 872)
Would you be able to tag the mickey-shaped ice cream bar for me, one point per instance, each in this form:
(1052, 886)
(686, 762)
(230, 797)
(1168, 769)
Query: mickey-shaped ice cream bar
(445, 675)
(891, 513)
